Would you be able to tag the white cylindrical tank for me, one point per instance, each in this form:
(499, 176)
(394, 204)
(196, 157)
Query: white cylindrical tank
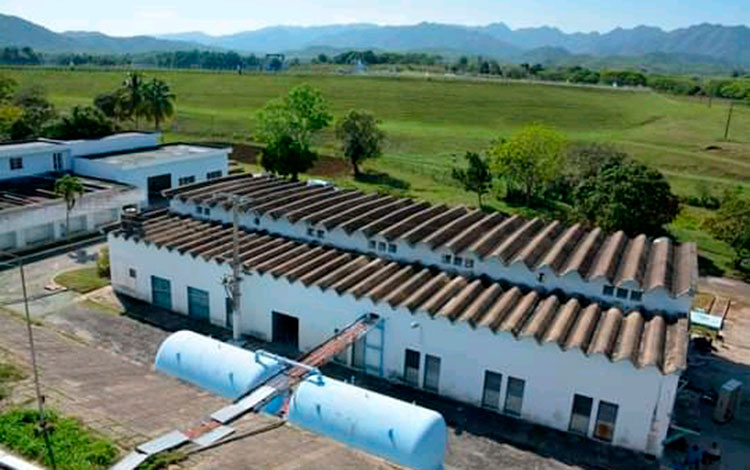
(215, 366)
(403, 433)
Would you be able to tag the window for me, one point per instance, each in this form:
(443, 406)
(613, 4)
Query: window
(186, 180)
(605, 421)
(447, 259)
(321, 233)
(622, 293)
(207, 211)
(469, 263)
(198, 306)
(256, 221)
(540, 277)
(431, 373)
(458, 261)
(391, 248)
(57, 161)
(199, 209)
(636, 295)
(609, 291)
(161, 292)
(131, 273)
(411, 368)
(372, 244)
(381, 246)
(491, 393)
(311, 232)
(212, 175)
(514, 396)
(16, 163)
(581, 414)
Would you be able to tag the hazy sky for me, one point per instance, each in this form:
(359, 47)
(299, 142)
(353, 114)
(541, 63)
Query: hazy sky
(130, 17)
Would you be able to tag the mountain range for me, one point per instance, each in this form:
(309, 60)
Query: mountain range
(703, 43)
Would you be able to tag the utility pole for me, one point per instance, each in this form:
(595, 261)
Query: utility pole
(39, 397)
(232, 282)
(729, 119)
(235, 268)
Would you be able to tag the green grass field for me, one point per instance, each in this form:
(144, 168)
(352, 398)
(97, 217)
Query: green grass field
(429, 121)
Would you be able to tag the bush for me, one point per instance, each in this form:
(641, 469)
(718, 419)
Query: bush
(74, 446)
(102, 263)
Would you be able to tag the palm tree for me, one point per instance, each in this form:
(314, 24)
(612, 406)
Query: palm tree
(133, 95)
(70, 189)
(158, 101)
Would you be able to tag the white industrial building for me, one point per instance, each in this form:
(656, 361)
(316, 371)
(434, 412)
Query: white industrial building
(129, 168)
(554, 356)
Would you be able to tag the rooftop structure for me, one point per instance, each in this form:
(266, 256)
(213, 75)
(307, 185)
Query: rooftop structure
(153, 155)
(28, 191)
(642, 338)
(657, 274)
(547, 357)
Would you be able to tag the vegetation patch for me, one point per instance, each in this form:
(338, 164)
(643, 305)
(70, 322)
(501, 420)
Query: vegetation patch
(74, 446)
(82, 280)
(162, 461)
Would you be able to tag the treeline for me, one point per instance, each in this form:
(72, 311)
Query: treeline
(372, 58)
(19, 56)
(203, 60)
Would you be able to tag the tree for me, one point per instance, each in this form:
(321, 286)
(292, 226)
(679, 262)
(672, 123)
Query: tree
(8, 117)
(158, 101)
(7, 89)
(83, 122)
(38, 111)
(477, 177)
(731, 223)
(288, 124)
(628, 196)
(530, 159)
(360, 137)
(112, 104)
(70, 189)
(132, 88)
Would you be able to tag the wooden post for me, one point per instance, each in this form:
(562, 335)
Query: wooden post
(729, 119)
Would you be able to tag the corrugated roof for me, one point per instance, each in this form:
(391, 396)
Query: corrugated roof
(592, 254)
(645, 340)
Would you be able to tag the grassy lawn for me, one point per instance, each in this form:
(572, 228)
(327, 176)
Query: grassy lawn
(75, 447)
(82, 280)
(430, 120)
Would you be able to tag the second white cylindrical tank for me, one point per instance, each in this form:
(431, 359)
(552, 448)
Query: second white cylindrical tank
(218, 367)
(401, 432)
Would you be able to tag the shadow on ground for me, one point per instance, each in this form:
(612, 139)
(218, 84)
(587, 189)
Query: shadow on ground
(382, 179)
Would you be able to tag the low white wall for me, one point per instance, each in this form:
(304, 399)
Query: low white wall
(94, 208)
(552, 376)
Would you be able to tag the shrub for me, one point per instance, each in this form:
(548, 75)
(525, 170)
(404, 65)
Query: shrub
(102, 263)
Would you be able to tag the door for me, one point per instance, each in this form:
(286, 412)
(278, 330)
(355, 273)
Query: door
(431, 373)
(286, 330)
(161, 292)
(491, 392)
(411, 367)
(157, 184)
(198, 304)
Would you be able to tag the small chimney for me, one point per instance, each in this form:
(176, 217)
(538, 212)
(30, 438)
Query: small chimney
(131, 221)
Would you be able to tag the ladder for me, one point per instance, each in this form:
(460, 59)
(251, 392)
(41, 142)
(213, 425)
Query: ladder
(216, 426)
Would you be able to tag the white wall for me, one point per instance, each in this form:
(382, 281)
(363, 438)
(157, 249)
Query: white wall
(35, 163)
(138, 175)
(552, 376)
(572, 284)
(19, 224)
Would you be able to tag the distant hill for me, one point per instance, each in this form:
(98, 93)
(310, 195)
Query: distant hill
(16, 31)
(727, 44)
(716, 45)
